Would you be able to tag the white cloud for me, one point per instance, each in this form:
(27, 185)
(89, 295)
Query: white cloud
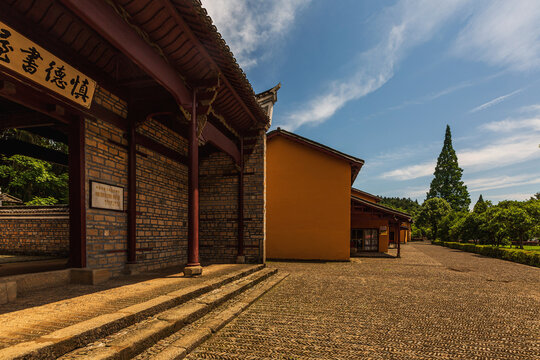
(249, 26)
(512, 196)
(502, 33)
(532, 124)
(495, 101)
(492, 183)
(411, 23)
(502, 152)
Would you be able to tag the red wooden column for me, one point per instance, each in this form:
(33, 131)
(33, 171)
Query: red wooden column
(77, 193)
(398, 230)
(132, 197)
(193, 266)
(241, 257)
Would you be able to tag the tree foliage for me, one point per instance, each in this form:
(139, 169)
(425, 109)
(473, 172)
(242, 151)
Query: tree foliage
(406, 205)
(447, 183)
(431, 214)
(34, 181)
(509, 222)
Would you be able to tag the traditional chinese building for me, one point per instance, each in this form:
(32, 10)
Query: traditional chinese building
(166, 138)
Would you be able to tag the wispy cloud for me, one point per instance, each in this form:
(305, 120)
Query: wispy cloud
(532, 124)
(512, 196)
(502, 33)
(411, 23)
(501, 182)
(507, 151)
(495, 101)
(248, 26)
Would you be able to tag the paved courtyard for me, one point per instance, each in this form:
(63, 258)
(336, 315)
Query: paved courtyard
(433, 303)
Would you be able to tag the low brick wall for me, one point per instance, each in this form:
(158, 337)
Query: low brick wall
(34, 230)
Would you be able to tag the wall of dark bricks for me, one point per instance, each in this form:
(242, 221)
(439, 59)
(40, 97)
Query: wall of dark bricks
(218, 225)
(255, 200)
(106, 230)
(162, 202)
(34, 231)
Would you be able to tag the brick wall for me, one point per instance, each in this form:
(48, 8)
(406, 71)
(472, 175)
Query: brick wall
(218, 204)
(218, 182)
(255, 201)
(162, 205)
(106, 230)
(162, 199)
(34, 230)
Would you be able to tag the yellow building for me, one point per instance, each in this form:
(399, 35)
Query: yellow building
(308, 198)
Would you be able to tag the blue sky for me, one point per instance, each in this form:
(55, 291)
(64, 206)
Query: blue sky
(381, 79)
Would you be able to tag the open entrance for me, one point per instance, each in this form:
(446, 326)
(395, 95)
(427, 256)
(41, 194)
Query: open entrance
(35, 196)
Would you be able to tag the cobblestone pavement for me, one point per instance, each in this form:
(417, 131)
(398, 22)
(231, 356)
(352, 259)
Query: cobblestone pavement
(433, 303)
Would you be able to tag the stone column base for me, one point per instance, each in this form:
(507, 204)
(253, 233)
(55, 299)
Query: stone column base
(193, 270)
(89, 276)
(8, 292)
(131, 269)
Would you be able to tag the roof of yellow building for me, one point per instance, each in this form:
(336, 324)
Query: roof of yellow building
(385, 209)
(375, 198)
(356, 163)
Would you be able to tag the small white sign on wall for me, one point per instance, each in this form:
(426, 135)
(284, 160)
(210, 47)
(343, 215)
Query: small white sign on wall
(105, 196)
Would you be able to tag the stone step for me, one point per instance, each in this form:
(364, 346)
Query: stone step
(132, 340)
(62, 341)
(179, 345)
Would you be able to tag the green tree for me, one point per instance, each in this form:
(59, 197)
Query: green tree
(431, 213)
(32, 180)
(481, 205)
(447, 183)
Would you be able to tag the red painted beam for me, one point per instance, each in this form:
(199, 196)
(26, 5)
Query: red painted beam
(103, 19)
(212, 134)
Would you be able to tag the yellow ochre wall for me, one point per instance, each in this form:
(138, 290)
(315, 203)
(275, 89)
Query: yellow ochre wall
(308, 203)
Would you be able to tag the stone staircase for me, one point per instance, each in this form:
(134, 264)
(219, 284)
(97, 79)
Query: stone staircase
(165, 327)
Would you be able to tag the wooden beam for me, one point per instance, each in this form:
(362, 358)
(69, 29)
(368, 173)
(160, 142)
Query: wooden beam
(161, 149)
(103, 19)
(212, 134)
(12, 147)
(52, 133)
(26, 119)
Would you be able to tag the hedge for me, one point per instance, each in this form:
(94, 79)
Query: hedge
(531, 258)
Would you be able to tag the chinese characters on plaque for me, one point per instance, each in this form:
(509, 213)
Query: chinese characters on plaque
(35, 63)
(104, 196)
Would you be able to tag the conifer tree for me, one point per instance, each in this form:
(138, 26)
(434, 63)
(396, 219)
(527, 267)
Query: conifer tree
(447, 183)
(480, 205)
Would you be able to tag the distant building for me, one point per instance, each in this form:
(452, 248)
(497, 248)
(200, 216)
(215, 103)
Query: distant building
(375, 226)
(6, 199)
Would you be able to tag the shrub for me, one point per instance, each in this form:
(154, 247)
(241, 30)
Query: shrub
(531, 258)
